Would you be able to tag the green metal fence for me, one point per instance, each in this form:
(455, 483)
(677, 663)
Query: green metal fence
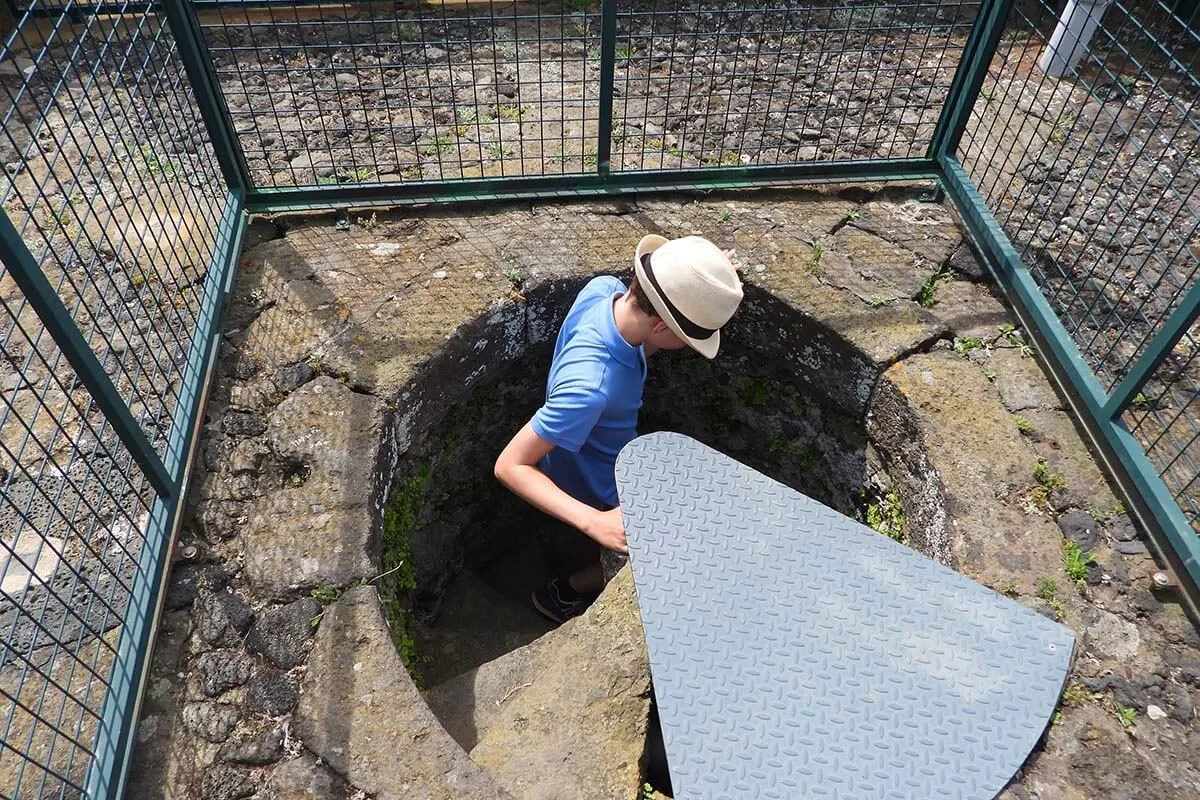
(118, 237)
(136, 135)
(1082, 192)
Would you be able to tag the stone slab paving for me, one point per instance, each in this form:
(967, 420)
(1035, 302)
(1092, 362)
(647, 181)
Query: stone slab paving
(406, 312)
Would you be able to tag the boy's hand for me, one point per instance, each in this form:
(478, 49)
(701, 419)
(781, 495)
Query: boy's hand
(607, 528)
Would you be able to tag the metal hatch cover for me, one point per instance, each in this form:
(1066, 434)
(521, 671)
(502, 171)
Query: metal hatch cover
(797, 653)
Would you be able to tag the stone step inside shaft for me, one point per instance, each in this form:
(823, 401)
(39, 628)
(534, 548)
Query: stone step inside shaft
(469, 704)
(475, 624)
(566, 711)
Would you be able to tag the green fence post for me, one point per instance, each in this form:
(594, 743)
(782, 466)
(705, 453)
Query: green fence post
(608, 66)
(116, 733)
(24, 269)
(1164, 341)
(968, 78)
(203, 79)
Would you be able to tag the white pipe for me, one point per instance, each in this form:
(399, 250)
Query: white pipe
(1072, 36)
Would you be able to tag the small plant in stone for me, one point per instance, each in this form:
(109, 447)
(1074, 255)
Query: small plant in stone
(813, 265)
(877, 300)
(359, 174)
(965, 345)
(1076, 695)
(624, 53)
(1048, 482)
(927, 294)
(1125, 714)
(1047, 589)
(1013, 338)
(499, 151)
(887, 516)
(158, 165)
(511, 113)
(1023, 425)
(326, 594)
(725, 215)
(438, 144)
(1075, 561)
(514, 278)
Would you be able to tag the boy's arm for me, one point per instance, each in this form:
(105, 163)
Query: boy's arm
(517, 469)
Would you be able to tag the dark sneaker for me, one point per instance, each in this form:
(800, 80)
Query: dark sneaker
(550, 601)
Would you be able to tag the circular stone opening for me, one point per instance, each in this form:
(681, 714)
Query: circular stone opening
(787, 396)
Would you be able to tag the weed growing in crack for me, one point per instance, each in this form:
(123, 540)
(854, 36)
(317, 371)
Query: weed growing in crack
(813, 265)
(1125, 714)
(359, 175)
(327, 594)
(877, 300)
(927, 294)
(499, 151)
(887, 517)
(965, 345)
(1013, 337)
(438, 144)
(1075, 561)
(1023, 425)
(1047, 589)
(511, 113)
(514, 278)
(1048, 482)
(725, 214)
(1076, 695)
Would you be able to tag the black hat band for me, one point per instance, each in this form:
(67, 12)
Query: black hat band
(689, 328)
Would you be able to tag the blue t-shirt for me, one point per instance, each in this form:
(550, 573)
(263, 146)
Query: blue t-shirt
(592, 397)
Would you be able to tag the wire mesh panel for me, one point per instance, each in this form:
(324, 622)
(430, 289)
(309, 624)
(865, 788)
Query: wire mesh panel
(1093, 176)
(764, 83)
(371, 93)
(112, 196)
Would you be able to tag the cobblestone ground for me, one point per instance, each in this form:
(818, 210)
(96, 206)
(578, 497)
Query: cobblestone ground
(357, 313)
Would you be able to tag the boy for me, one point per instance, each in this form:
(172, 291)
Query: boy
(562, 461)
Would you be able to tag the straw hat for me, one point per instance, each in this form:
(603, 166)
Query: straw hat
(691, 284)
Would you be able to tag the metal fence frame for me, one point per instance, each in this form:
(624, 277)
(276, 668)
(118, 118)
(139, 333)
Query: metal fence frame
(1100, 411)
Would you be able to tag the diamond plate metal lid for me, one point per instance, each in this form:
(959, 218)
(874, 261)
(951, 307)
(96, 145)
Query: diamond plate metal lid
(797, 653)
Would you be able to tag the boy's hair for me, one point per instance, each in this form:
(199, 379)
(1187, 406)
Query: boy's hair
(638, 295)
